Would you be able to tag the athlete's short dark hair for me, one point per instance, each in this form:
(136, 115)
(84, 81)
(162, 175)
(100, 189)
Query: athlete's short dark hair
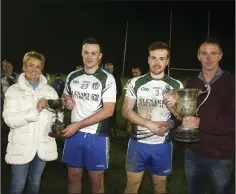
(159, 45)
(92, 41)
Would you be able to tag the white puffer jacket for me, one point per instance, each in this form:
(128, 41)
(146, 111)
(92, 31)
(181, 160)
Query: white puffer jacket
(29, 129)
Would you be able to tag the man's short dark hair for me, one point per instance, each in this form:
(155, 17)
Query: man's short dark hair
(211, 40)
(159, 45)
(136, 67)
(91, 41)
(5, 61)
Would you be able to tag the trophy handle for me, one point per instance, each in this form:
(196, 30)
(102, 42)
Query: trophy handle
(208, 90)
(49, 109)
(52, 109)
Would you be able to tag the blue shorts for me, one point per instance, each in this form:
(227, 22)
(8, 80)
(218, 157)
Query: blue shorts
(156, 157)
(85, 150)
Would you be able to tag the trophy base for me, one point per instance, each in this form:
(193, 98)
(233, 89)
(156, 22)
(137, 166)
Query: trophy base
(183, 135)
(57, 128)
(51, 134)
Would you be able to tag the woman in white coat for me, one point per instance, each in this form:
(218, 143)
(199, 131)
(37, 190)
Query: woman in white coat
(29, 146)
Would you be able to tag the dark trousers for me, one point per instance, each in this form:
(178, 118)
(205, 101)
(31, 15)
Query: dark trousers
(198, 168)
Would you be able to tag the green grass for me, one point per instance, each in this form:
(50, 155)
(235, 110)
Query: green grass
(54, 178)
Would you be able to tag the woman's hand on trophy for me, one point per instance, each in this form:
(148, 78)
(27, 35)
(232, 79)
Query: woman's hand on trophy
(41, 104)
(191, 122)
(70, 129)
(69, 103)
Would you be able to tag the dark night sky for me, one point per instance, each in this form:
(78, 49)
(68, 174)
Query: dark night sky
(57, 29)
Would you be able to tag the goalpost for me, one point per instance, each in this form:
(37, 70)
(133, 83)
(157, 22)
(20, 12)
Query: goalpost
(188, 72)
(182, 74)
(170, 36)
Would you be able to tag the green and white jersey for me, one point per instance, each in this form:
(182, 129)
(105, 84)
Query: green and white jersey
(147, 92)
(126, 85)
(90, 91)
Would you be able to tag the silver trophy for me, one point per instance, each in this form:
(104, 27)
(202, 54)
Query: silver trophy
(186, 105)
(56, 106)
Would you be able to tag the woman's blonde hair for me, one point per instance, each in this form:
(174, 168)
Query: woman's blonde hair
(34, 55)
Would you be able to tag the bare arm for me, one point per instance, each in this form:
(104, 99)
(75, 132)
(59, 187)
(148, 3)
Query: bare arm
(102, 114)
(133, 117)
(128, 113)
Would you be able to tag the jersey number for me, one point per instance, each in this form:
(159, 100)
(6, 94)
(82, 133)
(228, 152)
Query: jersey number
(84, 86)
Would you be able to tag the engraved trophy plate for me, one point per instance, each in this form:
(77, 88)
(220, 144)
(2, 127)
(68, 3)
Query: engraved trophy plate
(186, 105)
(56, 106)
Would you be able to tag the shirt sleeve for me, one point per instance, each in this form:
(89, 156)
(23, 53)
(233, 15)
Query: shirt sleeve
(126, 85)
(130, 92)
(67, 89)
(109, 92)
(181, 86)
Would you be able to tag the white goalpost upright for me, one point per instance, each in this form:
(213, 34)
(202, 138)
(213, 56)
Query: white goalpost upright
(170, 33)
(170, 42)
(170, 38)
(183, 69)
(208, 23)
(126, 38)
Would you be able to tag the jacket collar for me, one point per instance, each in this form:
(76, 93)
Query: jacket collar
(216, 76)
(24, 84)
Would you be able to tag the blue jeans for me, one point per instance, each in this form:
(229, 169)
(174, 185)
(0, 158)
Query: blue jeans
(31, 171)
(198, 168)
